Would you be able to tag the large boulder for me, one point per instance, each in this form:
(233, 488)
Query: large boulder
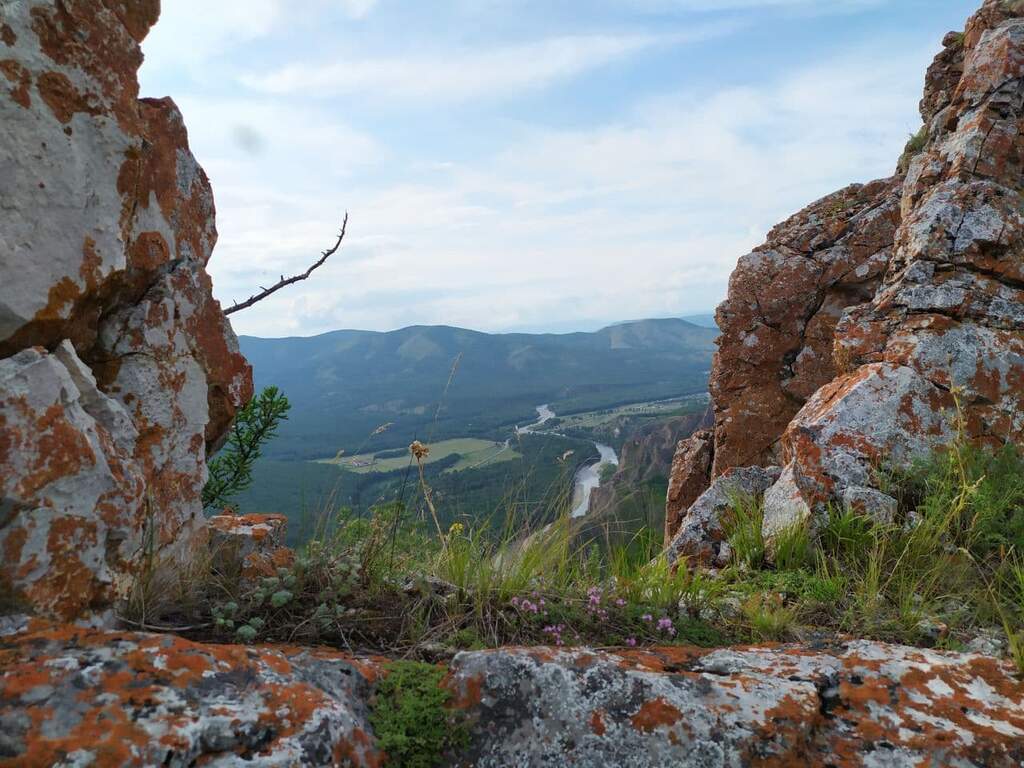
(118, 370)
(72, 696)
(785, 299)
(881, 320)
(941, 346)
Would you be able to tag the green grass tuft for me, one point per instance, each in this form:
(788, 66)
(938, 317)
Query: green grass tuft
(743, 530)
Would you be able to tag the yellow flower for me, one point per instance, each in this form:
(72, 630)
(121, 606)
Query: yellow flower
(455, 530)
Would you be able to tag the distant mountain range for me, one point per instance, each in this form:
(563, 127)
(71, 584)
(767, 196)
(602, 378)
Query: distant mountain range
(435, 382)
(705, 320)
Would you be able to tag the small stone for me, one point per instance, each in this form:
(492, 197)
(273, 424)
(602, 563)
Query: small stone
(701, 535)
(931, 631)
(874, 504)
(988, 643)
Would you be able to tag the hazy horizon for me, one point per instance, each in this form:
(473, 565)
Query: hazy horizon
(689, 318)
(518, 167)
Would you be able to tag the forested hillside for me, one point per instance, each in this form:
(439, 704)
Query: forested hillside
(346, 385)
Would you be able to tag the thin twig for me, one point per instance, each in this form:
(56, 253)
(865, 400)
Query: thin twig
(286, 281)
(159, 628)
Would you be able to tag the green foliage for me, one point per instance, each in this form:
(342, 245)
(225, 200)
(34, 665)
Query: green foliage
(231, 469)
(410, 718)
(848, 534)
(915, 143)
(793, 547)
(807, 586)
(769, 618)
(743, 530)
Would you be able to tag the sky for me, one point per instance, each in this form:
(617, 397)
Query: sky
(526, 165)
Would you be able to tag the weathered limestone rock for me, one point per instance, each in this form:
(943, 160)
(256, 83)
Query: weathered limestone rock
(70, 490)
(701, 534)
(255, 544)
(876, 505)
(106, 225)
(862, 704)
(79, 697)
(784, 301)
(76, 697)
(689, 478)
(950, 315)
(849, 338)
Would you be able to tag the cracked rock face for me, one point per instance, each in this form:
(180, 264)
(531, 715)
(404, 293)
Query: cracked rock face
(118, 370)
(949, 316)
(779, 319)
(73, 696)
(846, 336)
(859, 704)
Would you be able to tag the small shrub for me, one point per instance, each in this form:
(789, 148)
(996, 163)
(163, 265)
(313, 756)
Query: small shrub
(915, 143)
(769, 618)
(848, 534)
(231, 469)
(410, 718)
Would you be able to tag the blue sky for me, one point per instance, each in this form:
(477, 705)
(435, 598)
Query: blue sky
(527, 164)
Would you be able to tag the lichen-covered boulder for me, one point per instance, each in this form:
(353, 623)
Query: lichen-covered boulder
(941, 346)
(70, 696)
(859, 704)
(106, 226)
(701, 536)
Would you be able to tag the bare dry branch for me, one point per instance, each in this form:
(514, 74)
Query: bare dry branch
(286, 281)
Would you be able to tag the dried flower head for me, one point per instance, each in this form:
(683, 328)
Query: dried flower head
(419, 450)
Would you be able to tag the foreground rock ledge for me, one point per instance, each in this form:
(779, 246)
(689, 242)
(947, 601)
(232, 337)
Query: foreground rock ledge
(74, 696)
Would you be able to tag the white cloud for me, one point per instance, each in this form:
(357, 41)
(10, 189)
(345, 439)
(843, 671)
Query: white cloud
(189, 31)
(818, 6)
(644, 216)
(358, 9)
(457, 75)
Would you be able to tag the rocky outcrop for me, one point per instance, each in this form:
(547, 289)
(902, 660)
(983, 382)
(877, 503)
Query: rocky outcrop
(118, 370)
(949, 317)
(848, 338)
(779, 319)
(689, 477)
(75, 696)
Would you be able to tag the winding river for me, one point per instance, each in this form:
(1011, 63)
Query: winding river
(588, 477)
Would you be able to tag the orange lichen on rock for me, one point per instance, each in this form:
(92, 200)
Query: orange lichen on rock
(134, 699)
(136, 373)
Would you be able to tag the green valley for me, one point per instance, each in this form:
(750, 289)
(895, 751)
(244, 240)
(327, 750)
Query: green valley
(359, 399)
